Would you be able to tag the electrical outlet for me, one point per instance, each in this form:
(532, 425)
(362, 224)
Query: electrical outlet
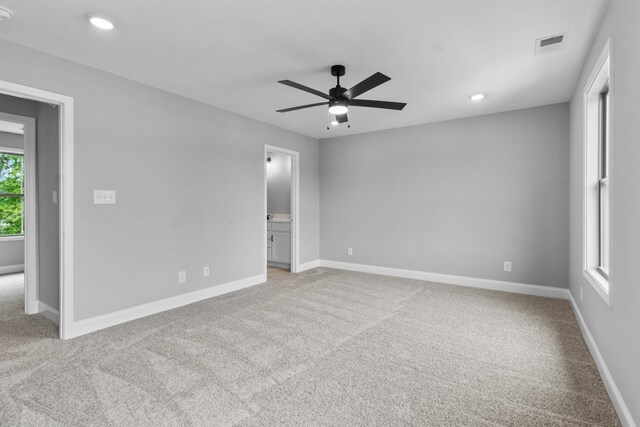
(206, 271)
(581, 294)
(182, 276)
(507, 266)
(104, 197)
(350, 251)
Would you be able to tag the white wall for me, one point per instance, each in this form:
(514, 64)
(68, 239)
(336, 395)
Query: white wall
(615, 329)
(12, 251)
(457, 197)
(189, 179)
(279, 184)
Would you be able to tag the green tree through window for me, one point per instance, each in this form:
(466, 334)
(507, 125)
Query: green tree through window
(11, 194)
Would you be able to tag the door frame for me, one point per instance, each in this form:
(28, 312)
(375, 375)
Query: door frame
(30, 225)
(65, 199)
(295, 205)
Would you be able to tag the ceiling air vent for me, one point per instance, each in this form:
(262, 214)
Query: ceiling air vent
(550, 44)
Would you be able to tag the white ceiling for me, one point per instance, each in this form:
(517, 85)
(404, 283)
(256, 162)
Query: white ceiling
(230, 53)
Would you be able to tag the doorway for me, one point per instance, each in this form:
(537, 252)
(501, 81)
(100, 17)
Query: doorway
(18, 208)
(281, 175)
(60, 200)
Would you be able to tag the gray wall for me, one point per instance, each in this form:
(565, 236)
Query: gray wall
(47, 155)
(11, 252)
(12, 140)
(47, 181)
(189, 179)
(279, 184)
(457, 197)
(615, 329)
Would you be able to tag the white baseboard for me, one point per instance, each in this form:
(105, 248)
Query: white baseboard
(93, 324)
(614, 393)
(48, 312)
(473, 282)
(9, 269)
(282, 265)
(308, 265)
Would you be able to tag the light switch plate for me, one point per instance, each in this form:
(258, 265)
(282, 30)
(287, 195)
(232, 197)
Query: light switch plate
(55, 197)
(104, 197)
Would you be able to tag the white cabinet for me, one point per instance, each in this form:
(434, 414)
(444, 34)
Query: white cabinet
(279, 244)
(281, 247)
(269, 244)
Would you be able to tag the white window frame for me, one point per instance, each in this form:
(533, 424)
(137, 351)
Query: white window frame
(598, 137)
(13, 237)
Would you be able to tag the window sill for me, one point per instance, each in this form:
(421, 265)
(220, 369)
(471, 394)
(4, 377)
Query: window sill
(11, 238)
(600, 284)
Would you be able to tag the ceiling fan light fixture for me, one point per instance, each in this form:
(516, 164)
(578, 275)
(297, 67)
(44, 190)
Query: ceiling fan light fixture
(338, 107)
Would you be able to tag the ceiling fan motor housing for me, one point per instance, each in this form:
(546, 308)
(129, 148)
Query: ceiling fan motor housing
(337, 92)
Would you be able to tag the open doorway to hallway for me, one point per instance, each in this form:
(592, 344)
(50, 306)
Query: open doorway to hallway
(29, 212)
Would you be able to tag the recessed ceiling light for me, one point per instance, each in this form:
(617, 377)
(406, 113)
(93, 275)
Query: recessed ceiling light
(334, 123)
(477, 97)
(102, 23)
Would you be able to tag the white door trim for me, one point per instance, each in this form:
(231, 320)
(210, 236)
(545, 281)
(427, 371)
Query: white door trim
(30, 211)
(295, 204)
(65, 199)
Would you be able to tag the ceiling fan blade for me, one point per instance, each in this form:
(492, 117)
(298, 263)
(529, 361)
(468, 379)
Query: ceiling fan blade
(367, 84)
(286, 110)
(342, 118)
(304, 88)
(377, 104)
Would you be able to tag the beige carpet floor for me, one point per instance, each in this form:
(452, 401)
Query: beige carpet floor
(276, 273)
(324, 347)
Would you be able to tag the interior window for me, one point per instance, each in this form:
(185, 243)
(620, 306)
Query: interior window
(11, 193)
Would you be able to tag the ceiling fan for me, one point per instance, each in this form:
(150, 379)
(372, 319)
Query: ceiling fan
(340, 99)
